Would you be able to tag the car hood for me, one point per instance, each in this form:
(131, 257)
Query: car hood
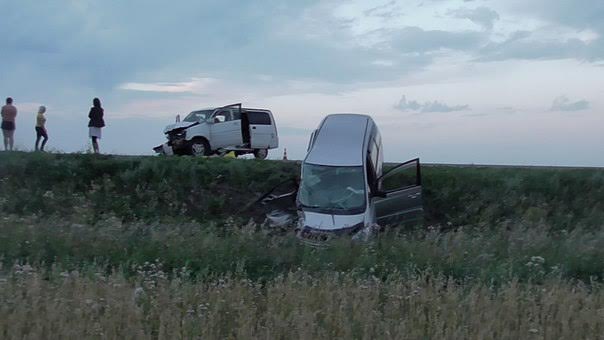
(330, 222)
(179, 125)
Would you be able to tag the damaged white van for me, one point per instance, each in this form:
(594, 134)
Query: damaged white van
(215, 130)
(343, 189)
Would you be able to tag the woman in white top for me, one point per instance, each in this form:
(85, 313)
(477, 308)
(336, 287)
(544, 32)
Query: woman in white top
(41, 128)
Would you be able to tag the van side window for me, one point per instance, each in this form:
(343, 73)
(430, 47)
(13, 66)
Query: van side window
(259, 118)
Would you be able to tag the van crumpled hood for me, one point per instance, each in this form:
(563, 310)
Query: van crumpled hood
(330, 222)
(179, 125)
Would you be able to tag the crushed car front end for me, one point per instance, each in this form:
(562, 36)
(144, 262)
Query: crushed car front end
(176, 142)
(317, 229)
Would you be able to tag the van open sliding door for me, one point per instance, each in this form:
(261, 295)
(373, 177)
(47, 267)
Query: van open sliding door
(262, 130)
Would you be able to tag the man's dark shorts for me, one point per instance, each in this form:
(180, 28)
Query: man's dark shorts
(8, 126)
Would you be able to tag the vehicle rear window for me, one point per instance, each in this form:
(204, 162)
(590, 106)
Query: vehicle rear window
(259, 118)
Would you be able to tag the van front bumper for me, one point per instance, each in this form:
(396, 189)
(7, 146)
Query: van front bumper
(164, 149)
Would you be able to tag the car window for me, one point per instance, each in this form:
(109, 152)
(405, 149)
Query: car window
(400, 177)
(222, 116)
(198, 116)
(236, 114)
(259, 118)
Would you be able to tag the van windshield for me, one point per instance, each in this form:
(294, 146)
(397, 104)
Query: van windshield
(198, 116)
(332, 188)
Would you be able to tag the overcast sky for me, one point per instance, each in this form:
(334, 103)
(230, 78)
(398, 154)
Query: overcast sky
(451, 81)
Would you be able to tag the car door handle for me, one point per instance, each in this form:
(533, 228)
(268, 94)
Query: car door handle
(413, 196)
(253, 128)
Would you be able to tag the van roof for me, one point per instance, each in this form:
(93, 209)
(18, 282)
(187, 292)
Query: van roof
(340, 140)
(242, 109)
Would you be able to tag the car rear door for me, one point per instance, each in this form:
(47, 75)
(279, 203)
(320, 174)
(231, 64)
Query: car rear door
(262, 131)
(402, 189)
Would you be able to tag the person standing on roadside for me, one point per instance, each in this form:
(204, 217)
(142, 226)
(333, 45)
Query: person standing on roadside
(9, 115)
(96, 123)
(41, 128)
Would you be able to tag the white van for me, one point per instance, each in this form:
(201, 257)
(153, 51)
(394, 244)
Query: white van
(343, 189)
(228, 128)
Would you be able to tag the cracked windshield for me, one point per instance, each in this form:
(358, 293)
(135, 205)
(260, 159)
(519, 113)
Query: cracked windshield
(330, 187)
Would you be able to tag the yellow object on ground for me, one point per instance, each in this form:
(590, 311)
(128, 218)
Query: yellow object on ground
(230, 154)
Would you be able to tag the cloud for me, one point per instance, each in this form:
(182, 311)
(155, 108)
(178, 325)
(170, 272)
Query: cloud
(482, 16)
(426, 107)
(579, 17)
(562, 103)
(525, 45)
(385, 11)
(417, 40)
(195, 85)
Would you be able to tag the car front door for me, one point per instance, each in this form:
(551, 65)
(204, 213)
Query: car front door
(225, 128)
(401, 192)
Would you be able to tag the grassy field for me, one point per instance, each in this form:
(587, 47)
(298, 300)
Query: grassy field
(112, 247)
(297, 305)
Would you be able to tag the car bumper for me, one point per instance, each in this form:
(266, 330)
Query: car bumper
(164, 149)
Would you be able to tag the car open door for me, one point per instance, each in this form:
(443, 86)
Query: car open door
(401, 194)
(225, 126)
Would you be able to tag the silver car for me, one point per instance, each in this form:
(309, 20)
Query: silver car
(218, 130)
(343, 187)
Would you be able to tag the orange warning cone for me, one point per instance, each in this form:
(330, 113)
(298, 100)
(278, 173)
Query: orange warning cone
(284, 154)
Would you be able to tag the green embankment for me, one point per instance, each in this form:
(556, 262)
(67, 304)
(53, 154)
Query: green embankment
(153, 188)
(85, 210)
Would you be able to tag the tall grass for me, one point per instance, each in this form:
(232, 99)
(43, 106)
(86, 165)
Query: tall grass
(526, 253)
(294, 305)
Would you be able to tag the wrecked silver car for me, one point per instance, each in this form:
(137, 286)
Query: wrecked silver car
(343, 189)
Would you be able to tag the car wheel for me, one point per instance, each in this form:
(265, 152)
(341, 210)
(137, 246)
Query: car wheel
(200, 147)
(260, 153)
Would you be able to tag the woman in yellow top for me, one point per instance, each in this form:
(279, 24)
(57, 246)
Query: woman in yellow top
(41, 128)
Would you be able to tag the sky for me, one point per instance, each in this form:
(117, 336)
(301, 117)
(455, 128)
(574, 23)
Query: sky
(450, 81)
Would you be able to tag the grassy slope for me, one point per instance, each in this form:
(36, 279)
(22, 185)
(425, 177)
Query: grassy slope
(82, 209)
(149, 247)
(152, 188)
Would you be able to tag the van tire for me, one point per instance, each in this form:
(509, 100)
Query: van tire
(200, 147)
(260, 153)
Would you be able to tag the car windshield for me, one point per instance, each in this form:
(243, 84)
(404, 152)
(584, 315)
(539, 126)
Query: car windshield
(332, 187)
(198, 116)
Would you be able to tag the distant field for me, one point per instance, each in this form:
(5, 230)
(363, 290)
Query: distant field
(103, 246)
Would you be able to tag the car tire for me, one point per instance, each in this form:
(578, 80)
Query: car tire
(260, 153)
(200, 147)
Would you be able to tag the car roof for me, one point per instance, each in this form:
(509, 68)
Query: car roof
(340, 140)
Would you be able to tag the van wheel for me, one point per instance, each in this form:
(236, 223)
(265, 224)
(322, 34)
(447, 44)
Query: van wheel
(200, 147)
(260, 153)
